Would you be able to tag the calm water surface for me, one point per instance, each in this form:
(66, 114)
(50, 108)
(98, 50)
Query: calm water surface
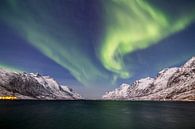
(96, 115)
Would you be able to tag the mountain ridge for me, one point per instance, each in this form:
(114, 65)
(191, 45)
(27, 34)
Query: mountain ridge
(177, 83)
(24, 85)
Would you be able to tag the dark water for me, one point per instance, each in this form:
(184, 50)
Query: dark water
(96, 115)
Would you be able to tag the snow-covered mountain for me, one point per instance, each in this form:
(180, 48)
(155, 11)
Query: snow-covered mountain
(169, 84)
(33, 86)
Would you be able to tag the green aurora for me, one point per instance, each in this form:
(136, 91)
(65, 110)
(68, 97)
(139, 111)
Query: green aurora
(133, 25)
(49, 41)
(129, 25)
(10, 68)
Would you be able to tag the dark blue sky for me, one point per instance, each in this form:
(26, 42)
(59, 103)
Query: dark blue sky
(94, 46)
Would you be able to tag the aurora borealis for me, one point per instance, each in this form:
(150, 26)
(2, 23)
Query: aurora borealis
(137, 25)
(96, 44)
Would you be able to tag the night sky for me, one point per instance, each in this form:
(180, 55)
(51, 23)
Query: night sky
(95, 45)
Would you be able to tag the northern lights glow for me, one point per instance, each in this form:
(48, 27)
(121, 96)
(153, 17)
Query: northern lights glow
(10, 68)
(54, 41)
(94, 40)
(132, 25)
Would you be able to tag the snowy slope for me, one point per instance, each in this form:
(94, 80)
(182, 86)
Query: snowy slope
(170, 84)
(33, 86)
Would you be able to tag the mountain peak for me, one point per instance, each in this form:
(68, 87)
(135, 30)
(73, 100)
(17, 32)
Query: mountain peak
(170, 84)
(190, 63)
(33, 86)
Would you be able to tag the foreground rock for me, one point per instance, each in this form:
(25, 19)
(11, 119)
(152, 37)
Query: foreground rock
(170, 84)
(33, 86)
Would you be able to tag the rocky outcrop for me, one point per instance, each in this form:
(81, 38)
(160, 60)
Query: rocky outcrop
(33, 86)
(170, 84)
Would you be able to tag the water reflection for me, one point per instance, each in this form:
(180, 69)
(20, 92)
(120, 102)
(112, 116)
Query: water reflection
(96, 115)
